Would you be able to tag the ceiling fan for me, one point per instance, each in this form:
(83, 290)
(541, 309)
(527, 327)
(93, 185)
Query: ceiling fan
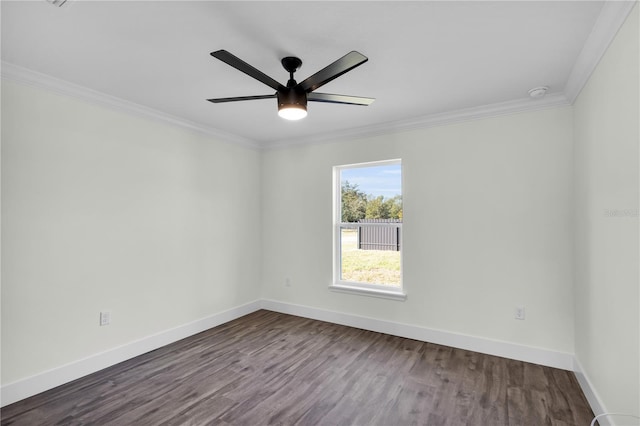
(292, 98)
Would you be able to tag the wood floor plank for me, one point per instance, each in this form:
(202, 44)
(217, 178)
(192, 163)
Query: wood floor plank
(273, 369)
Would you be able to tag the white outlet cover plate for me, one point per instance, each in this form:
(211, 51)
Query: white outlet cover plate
(105, 318)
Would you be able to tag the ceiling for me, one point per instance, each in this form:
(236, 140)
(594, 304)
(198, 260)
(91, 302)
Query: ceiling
(428, 61)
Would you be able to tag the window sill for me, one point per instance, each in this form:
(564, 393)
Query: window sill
(385, 294)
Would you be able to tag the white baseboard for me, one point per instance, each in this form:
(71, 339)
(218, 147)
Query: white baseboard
(590, 393)
(503, 349)
(33, 385)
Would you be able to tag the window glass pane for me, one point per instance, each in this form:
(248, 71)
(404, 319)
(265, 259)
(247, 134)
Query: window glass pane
(370, 222)
(370, 266)
(371, 193)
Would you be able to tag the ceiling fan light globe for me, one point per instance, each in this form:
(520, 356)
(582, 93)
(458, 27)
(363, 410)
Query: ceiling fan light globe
(292, 112)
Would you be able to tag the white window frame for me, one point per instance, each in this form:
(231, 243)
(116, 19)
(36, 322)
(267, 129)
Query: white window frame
(339, 285)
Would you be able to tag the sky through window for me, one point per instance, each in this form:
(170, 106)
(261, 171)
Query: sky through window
(377, 180)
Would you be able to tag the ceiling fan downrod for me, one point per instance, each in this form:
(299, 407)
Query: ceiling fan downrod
(291, 64)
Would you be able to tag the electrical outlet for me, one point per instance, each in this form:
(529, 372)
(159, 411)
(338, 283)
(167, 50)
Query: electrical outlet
(105, 318)
(519, 312)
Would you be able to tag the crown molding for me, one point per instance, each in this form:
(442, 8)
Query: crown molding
(433, 120)
(56, 85)
(609, 21)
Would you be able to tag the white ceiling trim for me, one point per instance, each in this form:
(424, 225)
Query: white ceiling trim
(44, 81)
(37, 79)
(462, 115)
(611, 18)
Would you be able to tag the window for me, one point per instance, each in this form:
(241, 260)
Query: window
(368, 229)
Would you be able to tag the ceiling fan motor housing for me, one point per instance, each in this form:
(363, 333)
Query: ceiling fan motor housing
(291, 98)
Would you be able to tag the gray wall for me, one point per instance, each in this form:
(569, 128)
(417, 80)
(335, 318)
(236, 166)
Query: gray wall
(102, 210)
(606, 225)
(487, 226)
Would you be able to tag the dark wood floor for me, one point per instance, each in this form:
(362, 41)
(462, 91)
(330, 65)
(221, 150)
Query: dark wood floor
(270, 368)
